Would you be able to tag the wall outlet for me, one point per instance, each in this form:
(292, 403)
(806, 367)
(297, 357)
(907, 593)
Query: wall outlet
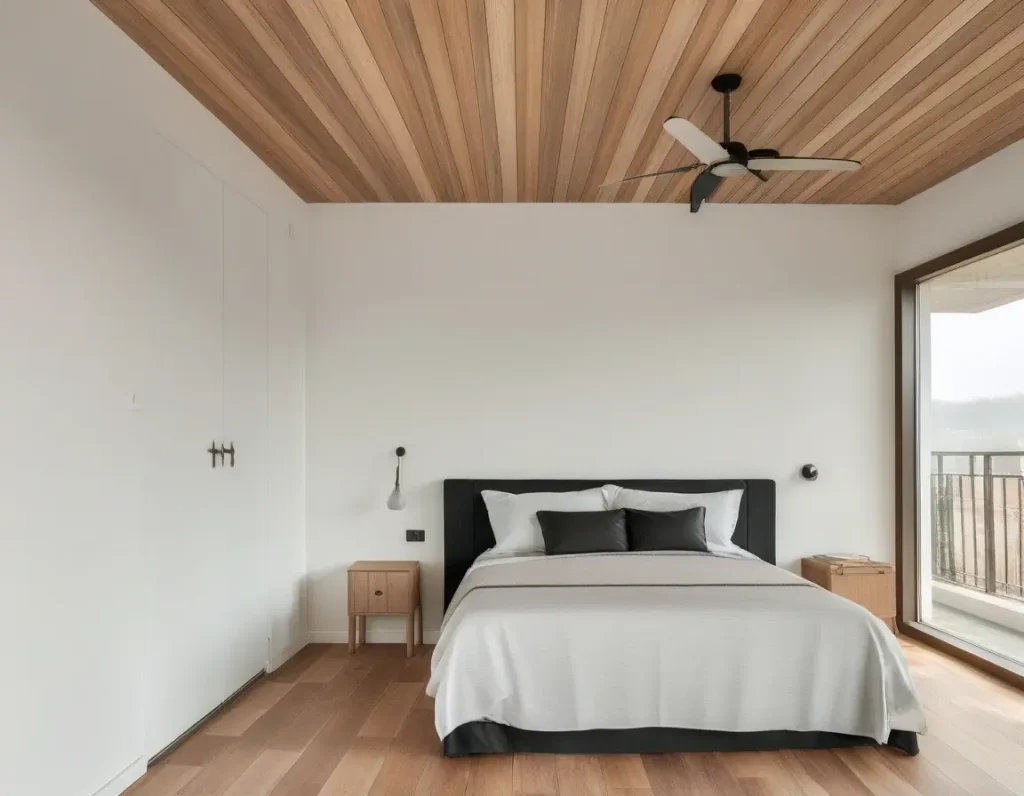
(415, 536)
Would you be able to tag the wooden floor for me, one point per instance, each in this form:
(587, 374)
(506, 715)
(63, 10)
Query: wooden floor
(330, 723)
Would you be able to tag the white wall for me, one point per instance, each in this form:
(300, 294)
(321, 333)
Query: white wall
(970, 205)
(593, 341)
(86, 120)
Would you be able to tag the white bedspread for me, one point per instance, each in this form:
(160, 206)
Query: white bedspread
(695, 641)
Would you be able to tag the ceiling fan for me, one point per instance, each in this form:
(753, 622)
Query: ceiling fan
(730, 158)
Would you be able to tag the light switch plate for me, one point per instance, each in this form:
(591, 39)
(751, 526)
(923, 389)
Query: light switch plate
(415, 536)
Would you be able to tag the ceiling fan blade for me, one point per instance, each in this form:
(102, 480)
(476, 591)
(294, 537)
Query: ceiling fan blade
(702, 189)
(802, 164)
(696, 140)
(680, 170)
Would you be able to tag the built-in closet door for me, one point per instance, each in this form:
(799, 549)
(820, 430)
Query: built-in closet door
(245, 428)
(181, 409)
(204, 312)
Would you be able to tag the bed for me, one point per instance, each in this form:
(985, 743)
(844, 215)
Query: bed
(642, 653)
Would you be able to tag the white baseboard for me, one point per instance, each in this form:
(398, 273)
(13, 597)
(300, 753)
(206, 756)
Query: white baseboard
(372, 636)
(120, 783)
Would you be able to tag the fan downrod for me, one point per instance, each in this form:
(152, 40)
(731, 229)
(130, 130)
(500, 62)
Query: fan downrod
(727, 83)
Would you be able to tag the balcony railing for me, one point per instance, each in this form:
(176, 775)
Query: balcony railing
(977, 523)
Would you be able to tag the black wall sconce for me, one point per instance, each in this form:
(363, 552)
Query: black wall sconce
(809, 472)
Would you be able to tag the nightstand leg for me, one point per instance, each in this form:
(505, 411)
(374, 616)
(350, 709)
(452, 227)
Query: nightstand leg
(408, 634)
(361, 628)
(351, 633)
(419, 626)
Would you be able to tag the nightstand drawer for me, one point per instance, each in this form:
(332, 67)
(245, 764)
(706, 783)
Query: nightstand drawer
(380, 592)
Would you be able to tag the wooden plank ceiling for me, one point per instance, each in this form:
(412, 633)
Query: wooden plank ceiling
(544, 100)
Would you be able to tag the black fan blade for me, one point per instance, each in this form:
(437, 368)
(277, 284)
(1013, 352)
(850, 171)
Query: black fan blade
(680, 170)
(703, 188)
(758, 174)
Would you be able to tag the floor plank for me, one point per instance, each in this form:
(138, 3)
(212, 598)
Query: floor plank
(579, 775)
(333, 724)
(265, 772)
(624, 771)
(247, 710)
(163, 779)
(390, 713)
(355, 774)
(534, 775)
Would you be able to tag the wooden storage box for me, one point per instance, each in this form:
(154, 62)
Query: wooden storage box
(871, 584)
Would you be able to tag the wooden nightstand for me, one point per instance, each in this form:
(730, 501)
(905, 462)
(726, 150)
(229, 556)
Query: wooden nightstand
(384, 587)
(871, 584)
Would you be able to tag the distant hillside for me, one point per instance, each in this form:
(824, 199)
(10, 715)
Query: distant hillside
(986, 424)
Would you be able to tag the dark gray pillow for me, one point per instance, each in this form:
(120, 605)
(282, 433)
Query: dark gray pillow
(583, 531)
(667, 530)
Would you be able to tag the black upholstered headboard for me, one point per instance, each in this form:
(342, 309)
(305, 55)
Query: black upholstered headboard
(467, 528)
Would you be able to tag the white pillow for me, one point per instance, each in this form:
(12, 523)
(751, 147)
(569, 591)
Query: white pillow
(514, 517)
(722, 509)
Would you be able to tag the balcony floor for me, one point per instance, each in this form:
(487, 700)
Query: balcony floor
(998, 639)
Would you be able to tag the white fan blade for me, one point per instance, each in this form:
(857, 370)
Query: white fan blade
(696, 140)
(728, 170)
(801, 164)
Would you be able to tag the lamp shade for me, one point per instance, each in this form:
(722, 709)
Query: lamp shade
(396, 500)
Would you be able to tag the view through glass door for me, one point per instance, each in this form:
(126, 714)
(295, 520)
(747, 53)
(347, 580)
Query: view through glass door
(971, 453)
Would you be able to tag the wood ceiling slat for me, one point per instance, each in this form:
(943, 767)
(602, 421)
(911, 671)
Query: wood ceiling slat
(560, 29)
(1009, 133)
(616, 33)
(717, 38)
(216, 100)
(683, 90)
(808, 96)
(501, 36)
(588, 39)
(346, 30)
(255, 19)
(427, 18)
(981, 86)
(668, 53)
(529, 37)
(1003, 89)
(650, 23)
(477, 16)
(321, 36)
(911, 95)
(981, 135)
(912, 33)
(881, 138)
(182, 37)
(390, 32)
(544, 100)
(239, 53)
(455, 25)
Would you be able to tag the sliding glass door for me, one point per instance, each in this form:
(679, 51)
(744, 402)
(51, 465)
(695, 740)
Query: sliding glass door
(968, 448)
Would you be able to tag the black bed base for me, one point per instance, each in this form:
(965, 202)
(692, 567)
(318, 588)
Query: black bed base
(484, 737)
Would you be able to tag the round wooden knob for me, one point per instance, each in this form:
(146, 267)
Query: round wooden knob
(378, 593)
